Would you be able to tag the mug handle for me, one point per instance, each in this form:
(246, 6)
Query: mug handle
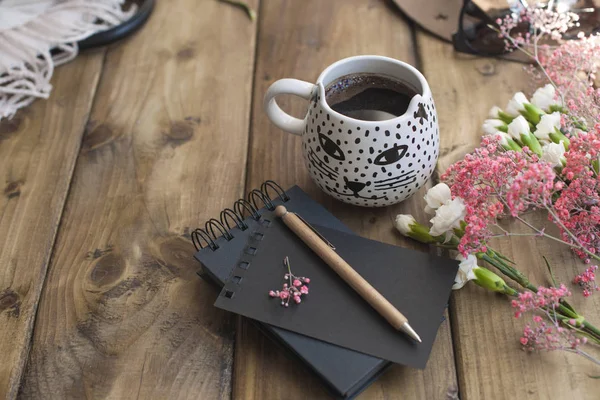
(280, 118)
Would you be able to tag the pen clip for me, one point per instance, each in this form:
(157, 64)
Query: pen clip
(323, 238)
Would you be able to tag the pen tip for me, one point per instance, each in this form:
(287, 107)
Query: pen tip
(411, 332)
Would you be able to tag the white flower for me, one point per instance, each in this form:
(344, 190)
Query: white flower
(494, 112)
(404, 222)
(490, 126)
(515, 105)
(517, 127)
(547, 125)
(436, 197)
(465, 271)
(544, 97)
(553, 153)
(448, 217)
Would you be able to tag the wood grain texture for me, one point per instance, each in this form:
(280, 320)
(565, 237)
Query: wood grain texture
(123, 314)
(491, 364)
(38, 149)
(298, 40)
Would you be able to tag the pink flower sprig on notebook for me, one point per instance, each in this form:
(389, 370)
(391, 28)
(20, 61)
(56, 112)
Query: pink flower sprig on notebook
(294, 287)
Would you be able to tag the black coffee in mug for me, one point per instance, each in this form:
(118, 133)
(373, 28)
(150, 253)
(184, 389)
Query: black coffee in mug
(369, 97)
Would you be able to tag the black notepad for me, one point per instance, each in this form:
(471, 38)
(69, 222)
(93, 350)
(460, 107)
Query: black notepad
(417, 283)
(345, 372)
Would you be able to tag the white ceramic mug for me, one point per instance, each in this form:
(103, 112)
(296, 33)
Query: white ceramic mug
(366, 163)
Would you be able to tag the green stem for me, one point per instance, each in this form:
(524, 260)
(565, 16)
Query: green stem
(513, 273)
(588, 335)
(498, 260)
(518, 277)
(445, 246)
(565, 311)
(499, 266)
(591, 328)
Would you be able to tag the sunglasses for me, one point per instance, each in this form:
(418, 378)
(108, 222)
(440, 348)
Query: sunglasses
(478, 31)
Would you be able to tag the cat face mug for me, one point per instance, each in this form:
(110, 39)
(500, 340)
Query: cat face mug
(370, 136)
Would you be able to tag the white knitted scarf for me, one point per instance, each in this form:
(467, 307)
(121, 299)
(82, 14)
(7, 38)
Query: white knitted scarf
(37, 35)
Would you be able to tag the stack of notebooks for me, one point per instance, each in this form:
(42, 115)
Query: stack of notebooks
(334, 332)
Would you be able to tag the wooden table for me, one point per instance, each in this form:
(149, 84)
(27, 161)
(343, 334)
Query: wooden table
(145, 140)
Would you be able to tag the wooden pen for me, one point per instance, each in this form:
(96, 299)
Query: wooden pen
(346, 272)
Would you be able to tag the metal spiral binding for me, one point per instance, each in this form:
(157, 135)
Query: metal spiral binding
(207, 237)
(237, 206)
(198, 235)
(212, 223)
(261, 196)
(276, 188)
(228, 212)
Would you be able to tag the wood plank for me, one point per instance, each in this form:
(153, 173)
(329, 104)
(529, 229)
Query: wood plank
(298, 40)
(123, 314)
(38, 149)
(484, 330)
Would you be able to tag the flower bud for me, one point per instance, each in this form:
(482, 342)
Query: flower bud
(489, 280)
(409, 227)
(404, 223)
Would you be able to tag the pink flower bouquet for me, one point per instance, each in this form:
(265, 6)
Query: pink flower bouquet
(537, 155)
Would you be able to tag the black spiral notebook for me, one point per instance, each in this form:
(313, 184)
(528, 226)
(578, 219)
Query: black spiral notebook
(345, 372)
(417, 283)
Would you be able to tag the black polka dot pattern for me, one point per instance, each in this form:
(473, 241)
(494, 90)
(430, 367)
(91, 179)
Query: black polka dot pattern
(371, 164)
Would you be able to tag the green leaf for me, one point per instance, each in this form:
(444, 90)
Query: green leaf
(593, 376)
(550, 270)
(498, 264)
(567, 305)
(505, 258)
(596, 166)
(251, 13)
